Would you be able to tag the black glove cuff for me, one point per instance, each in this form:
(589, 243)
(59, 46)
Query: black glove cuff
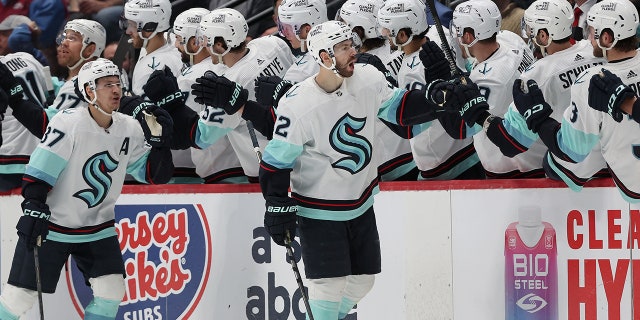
(635, 112)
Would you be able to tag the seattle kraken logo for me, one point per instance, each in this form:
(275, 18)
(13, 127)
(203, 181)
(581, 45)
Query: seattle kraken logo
(96, 174)
(345, 140)
(153, 64)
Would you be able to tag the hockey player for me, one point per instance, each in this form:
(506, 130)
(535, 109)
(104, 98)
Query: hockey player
(437, 155)
(18, 142)
(548, 24)
(475, 26)
(70, 188)
(147, 21)
(224, 32)
(612, 26)
(220, 164)
(324, 145)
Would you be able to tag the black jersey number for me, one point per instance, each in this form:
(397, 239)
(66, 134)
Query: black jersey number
(32, 88)
(56, 135)
(212, 114)
(283, 124)
(73, 101)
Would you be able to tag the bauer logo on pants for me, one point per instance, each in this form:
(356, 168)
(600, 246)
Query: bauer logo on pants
(167, 257)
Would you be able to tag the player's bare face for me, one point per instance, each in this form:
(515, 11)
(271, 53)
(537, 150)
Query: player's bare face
(132, 31)
(181, 44)
(69, 47)
(109, 91)
(345, 54)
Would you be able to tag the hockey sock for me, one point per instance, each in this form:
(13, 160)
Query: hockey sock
(345, 306)
(324, 310)
(101, 309)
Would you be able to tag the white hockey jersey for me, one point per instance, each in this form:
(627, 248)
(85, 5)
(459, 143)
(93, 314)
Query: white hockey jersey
(437, 155)
(167, 55)
(392, 59)
(303, 67)
(554, 75)
(67, 98)
(217, 162)
(18, 143)
(328, 139)
(86, 176)
(267, 56)
(495, 77)
(582, 128)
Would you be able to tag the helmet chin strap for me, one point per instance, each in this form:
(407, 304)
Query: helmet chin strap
(81, 60)
(219, 55)
(145, 41)
(95, 104)
(542, 48)
(332, 67)
(399, 46)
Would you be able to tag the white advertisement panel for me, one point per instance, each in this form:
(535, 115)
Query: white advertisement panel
(208, 256)
(495, 276)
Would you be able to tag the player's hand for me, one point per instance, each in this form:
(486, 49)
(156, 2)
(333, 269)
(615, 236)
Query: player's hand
(134, 106)
(607, 93)
(530, 102)
(34, 222)
(157, 126)
(162, 88)
(219, 92)
(434, 61)
(10, 85)
(463, 96)
(280, 216)
(367, 58)
(270, 89)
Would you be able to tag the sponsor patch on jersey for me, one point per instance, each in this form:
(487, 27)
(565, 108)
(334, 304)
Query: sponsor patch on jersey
(166, 251)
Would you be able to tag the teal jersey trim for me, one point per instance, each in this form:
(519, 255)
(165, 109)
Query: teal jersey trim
(575, 143)
(324, 310)
(389, 109)
(345, 306)
(138, 169)
(45, 165)
(563, 176)
(473, 130)
(346, 215)
(517, 128)
(420, 128)
(13, 169)
(50, 112)
(399, 171)
(101, 309)
(281, 154)
(77, 238)
(207, 135)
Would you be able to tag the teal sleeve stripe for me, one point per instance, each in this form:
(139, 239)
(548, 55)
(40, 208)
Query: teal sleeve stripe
(13, 168)
(330, 215)
(6, 314)
(575, 143)
(420, 128)
(471, 131)
(627, 198)
(323, 309)
(45, 165)
(101, 309)
(207, 135)
(281, 154)
(456, 170)
(399, 171)
(562, 176)
(389, 109)
(138, 169)
(81, 238)
(51, 112)
(517, 128)
(345, 306)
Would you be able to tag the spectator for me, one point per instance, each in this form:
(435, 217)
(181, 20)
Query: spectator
(17, 34)
(106, 12)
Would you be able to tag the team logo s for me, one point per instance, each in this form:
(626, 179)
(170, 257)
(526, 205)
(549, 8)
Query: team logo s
(96, 174)
(344, 139)
(166, 250)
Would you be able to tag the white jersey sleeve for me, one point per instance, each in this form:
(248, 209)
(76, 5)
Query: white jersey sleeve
(303, 67)
(67, 97)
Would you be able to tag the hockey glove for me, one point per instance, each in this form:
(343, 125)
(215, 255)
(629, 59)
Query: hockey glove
(162, 88)
(219, 92)
(607, 93)
(463, 96)
(134, 106)
(157, 126)
(367, 58)
(280, 217)
(434, 61)
(531, 104)
(10, 85)
(269, 90)
(34, 222)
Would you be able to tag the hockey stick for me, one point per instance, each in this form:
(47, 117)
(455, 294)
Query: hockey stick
(296, 272)
(287, 239)
(121, 50)
(445, 44)
(36, 260)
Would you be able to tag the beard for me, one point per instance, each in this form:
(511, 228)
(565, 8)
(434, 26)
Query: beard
(345, 70)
